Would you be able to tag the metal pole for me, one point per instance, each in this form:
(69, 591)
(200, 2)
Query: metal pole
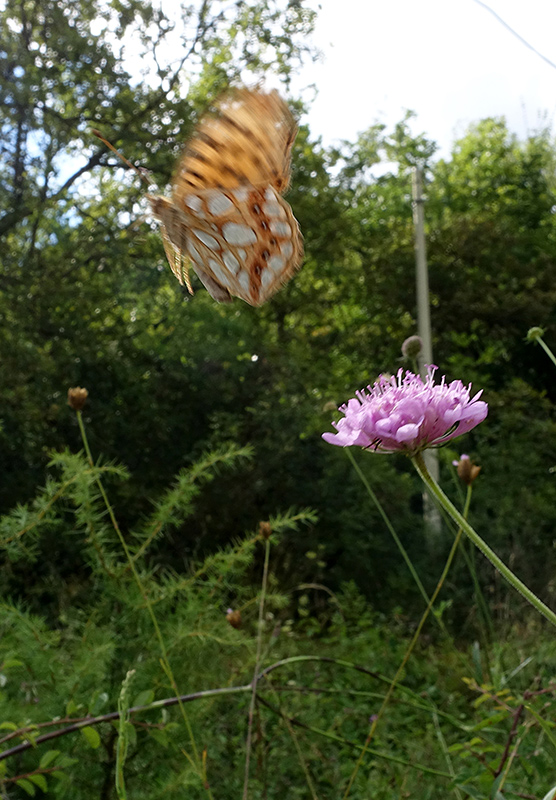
(431, 514)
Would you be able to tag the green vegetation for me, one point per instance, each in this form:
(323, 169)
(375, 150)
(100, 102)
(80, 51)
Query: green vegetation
(128, 529)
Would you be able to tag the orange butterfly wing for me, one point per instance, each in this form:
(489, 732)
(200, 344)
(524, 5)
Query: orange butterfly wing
(226, 215)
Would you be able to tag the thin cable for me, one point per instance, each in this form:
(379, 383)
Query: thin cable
(516, 34)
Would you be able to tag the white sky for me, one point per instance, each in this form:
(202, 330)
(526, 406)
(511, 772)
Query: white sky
(450, 61)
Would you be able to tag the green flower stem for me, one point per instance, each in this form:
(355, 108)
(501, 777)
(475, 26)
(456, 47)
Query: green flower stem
(445, 503)
(164, 661)
(470, 561)
(388, 524)
(396, 538)
(547, 350)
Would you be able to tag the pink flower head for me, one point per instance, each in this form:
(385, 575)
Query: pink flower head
(404, 414)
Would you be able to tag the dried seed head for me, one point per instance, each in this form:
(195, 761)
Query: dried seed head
(77, 397)
(466, 469)
(234, 618)
(265, 530)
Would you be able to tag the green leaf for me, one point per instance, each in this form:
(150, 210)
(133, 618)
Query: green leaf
(48, 758)
(12, 662)
(71, 708)
(471, 791)
(40, 781)
(26, 786)
(98, 700)
(92, 737)
(159, 736)
(143, 698)
(10, 726)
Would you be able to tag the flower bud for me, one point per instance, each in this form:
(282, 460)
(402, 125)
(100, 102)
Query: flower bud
(466, 469)
(412, 347)
(234, 618)
(77, 397)
(533, 334)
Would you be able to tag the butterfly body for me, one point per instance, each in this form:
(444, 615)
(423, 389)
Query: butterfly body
(226, 217)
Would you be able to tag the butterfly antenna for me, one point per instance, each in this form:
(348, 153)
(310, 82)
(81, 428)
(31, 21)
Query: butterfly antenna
(99, 135)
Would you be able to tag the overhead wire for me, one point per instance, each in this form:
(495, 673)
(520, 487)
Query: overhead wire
(515, 33)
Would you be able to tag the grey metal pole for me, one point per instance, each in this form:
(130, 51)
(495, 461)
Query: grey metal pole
(432, 516)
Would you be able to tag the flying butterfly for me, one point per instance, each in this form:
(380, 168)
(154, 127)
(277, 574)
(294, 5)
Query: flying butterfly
(226, 218)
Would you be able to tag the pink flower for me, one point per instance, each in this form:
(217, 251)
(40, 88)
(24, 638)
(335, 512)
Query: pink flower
(405, 414)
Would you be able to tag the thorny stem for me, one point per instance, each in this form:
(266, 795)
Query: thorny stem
(255, 674)
(164, 660)
(505, 571)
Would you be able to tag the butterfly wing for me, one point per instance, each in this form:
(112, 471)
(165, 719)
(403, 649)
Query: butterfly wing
(243, 242)
(226, 214)
(248, 141)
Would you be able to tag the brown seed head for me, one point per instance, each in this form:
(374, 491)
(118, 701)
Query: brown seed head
(467, 470)
(234, 618)
(265, 530)
(77, 397)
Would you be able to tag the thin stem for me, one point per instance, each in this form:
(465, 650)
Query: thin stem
(164, 660)
(255, 674)
(405, 659)
(289, 725)
(470, 561)
(334, 738)
(83, 722)
(388, 524)
(446, 753)
(512, 579)
(394, 535)
(547, 350)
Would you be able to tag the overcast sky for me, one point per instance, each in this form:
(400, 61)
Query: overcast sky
(450, 61)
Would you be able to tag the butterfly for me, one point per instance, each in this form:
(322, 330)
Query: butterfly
(226, 217)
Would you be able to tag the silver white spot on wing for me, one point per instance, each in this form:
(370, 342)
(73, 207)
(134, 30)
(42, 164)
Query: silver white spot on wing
(194, 203)
(218, 271)
(205, 238)
(274, 210)
(286, 248)
(244, 282)
(241, 194)
(267, 278)
(231, 261)
(276, 263)
(218, 203)
(194, 253)
(238, 234)
(280, 228)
